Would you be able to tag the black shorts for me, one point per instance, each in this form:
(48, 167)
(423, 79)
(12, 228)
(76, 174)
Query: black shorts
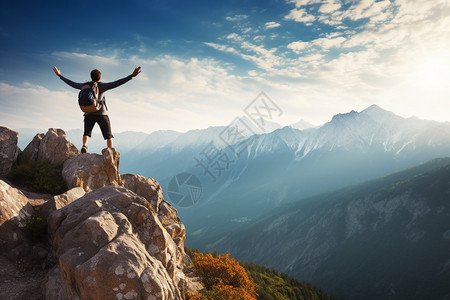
(103, 122)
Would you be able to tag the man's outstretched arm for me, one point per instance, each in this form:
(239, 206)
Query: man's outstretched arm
(75, 85)
(114, 84)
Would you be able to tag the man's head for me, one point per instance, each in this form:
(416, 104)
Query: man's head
(96, 75)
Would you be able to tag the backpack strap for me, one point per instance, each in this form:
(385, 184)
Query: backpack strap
(95, 89)
(93, 86)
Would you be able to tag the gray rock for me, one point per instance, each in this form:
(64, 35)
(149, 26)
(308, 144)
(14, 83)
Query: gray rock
(59, 201)
(8, 149)
(15, 211)
(32, 149)
(92, 171)
(168, 216)
(53, 146)
(148, 188)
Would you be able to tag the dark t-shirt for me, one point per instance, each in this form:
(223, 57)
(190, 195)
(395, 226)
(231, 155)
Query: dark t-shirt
(102, 88)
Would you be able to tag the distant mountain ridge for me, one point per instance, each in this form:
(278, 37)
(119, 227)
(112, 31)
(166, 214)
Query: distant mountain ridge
(289, 164)
(278, 166)
(387, 238)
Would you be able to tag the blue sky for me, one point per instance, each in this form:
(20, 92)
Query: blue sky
(203, 62)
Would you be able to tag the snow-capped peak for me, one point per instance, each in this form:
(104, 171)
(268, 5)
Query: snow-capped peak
(302, 125)
(378, 114)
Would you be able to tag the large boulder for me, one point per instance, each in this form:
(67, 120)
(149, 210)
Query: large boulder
(110, 244)
(52, 146)
(150, 189)
(8, 149)
(92, 171)
(15, 212)
(146, 187)
(59, 201)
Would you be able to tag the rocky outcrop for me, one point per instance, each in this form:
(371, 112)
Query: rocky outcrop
(52, 146)
(110, 236)
(92, 171)
(8, 149)
(110, 244)
(15, 211)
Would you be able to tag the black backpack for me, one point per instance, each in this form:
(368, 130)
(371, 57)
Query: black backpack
(88, 98)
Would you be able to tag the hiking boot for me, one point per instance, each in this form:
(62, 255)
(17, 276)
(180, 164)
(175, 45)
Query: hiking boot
(84, 149)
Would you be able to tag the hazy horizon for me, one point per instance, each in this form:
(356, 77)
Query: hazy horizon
(97, 130)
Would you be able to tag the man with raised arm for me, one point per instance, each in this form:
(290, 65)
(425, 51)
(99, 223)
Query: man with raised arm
(101, 116)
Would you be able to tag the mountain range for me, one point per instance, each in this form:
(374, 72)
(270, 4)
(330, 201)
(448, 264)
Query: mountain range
(388, 238)
(259, 172)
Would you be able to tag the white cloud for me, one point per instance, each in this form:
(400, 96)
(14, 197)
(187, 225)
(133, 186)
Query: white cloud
(300, 15)
(260, 56)
(330, 6)
(330, 12)
(272, 25)
(300, 3)
(223, 48)
(259, 38)
(322, 44)
(235, 37)
(298, 46)
(263, 58)
(327, 43)
(376, 11)
(236, 18)
(33, 106)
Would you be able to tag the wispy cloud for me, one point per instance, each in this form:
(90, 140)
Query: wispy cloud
(331, 12)
(272, 24)
(321, 44)
(236, 18)
(300, 3)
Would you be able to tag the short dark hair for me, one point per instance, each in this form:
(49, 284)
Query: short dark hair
(95, 75)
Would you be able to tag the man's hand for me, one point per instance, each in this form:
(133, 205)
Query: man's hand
(57, 71)
(136, 72)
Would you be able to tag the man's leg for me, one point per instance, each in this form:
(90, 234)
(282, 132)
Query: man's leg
(89, 123)
(105, 126)
(85, 140)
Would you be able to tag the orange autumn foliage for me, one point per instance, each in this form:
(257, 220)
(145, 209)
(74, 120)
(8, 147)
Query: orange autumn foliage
(224, 278)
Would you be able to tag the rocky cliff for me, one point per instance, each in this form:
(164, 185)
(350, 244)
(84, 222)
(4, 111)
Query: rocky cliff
(110, 236)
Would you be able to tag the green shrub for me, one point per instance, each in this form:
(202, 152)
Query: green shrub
(38, 176)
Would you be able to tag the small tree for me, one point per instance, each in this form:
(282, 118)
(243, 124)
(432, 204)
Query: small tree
(224, 278)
